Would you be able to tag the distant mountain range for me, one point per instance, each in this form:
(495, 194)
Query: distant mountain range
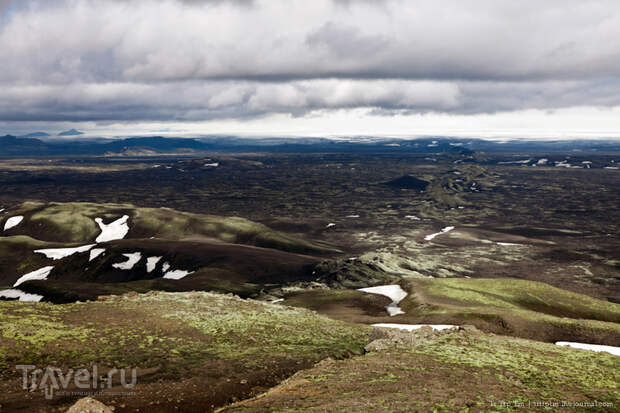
(29, 145)
(22, 146)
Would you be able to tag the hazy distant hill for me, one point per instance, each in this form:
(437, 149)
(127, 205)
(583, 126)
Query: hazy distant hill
(14, 146)
(71, 132)
(155, 143)
(35, 135)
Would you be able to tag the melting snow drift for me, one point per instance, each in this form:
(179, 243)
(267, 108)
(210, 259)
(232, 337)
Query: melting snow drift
(40, 274)
(151, 263)
(132, 259)
(94, 253)
(443, 231)
(411, 327)
(177, 274)
(20, 295)
(592, 347)
(13, 222)
(112, 231)
(394, 292)
(60, 253)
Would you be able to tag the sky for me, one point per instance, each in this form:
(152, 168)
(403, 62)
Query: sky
(398, 68)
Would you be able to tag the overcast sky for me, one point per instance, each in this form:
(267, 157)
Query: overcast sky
(323, 67)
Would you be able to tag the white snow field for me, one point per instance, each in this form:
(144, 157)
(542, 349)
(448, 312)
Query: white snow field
(40, 274)
(393, 292)
(114, 230)
(20, 295)
(132, 259)
(60, 253)
(411, 327)
(443, 231)
(13, 222)
(592, 347)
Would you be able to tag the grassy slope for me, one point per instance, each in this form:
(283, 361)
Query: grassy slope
(216, 266)
(181, 335)
(74, 222)
(17, 257)
(451, 372)
(518, 308)
(515, 307)
(222, 325)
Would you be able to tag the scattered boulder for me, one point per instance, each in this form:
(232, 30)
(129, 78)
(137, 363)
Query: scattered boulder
(383, 338)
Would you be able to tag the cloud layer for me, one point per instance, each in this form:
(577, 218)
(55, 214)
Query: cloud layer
(192, 60)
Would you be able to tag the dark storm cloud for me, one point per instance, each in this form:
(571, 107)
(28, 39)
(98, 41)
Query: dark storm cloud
(162, 60)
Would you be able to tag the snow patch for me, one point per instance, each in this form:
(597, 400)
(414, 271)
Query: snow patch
(212, 165)
(524, 161)
(112, 231)
(279, 300)
(393, 292)
(508, 244)
(40, 274)
(177, 274)
(592, 347)
(94, 253)
(20, 295)
(165, 267)
(151, 263)
(443, 231)
(353, 216)
(13, 222)
(413, 217)
(132, 259)
(60, 253)
(411, 327)
(331, 224)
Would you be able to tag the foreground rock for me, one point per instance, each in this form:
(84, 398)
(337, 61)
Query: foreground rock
(89, 405)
